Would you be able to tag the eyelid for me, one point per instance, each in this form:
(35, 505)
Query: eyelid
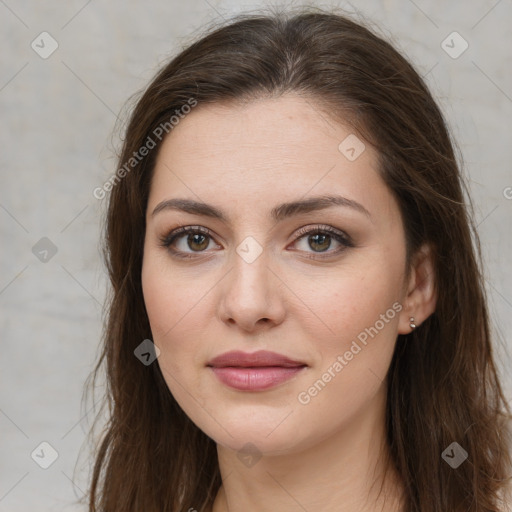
(340, 236)
(322, 228)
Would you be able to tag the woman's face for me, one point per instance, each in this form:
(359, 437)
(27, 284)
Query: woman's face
(258, 277)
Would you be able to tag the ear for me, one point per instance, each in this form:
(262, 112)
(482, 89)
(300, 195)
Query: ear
(421, 296)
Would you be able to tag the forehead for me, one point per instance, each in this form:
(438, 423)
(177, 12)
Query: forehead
(279, 125)
(272, 149)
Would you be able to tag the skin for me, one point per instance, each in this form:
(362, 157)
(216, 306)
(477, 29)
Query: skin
(327, 454)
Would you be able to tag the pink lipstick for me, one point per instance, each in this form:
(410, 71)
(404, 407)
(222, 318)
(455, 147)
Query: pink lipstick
(255, 371)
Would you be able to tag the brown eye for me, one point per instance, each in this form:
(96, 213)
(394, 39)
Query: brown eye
(187, 240)
(191, 241)
(197, 241)
(320, 239)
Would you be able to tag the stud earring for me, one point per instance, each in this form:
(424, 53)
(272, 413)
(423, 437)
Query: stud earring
(412, 325)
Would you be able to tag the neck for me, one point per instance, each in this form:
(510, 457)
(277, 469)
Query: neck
(344, 472)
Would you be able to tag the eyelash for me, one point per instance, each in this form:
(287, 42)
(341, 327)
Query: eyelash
(346, 242)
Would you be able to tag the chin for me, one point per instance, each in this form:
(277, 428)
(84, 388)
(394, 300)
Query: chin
(258, 441)
(236, 426)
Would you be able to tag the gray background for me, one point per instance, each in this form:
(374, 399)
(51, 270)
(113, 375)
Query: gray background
(57, 139)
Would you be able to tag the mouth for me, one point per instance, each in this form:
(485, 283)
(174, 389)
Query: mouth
(255, 371)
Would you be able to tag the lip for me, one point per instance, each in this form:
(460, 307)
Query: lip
(254, 371)
(254, 359)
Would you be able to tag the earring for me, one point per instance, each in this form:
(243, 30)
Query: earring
(412, 325)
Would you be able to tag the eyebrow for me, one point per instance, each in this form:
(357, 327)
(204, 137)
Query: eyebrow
(278, 213)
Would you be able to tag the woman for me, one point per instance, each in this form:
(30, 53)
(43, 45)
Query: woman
(297, 319)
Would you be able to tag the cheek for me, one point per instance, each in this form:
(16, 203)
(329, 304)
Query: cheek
(173, 307)
(352, 365)
(344, 305)
(354, 337)
(355, 354)
(172, 294)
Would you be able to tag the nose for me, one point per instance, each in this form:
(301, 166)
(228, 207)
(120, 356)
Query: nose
(251, 295)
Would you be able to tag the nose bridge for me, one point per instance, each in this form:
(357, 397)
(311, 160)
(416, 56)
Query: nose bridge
(250, 269)
(250, 292)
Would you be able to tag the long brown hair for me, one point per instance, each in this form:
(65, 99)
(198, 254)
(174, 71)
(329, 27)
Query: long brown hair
(443, 385)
